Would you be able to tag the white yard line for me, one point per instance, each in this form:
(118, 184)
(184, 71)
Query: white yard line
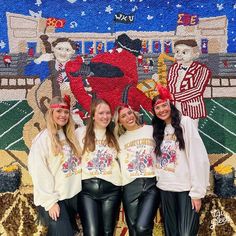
(15, 124)
(223, 107)
(10, 108)
(216, 141)
(11, 144)
(221, 126)
(146, 113)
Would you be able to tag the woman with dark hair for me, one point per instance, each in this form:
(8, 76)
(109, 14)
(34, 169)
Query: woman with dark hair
(54, 164)
(140, 195)
(100, 198)
(182, 166)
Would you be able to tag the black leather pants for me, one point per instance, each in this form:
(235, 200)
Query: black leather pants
(99, 205)
(66, 223)
(140, 201)
(179, 217)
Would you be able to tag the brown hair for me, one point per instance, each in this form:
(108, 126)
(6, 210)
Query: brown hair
(62, 40)
(89, 139)
(159, 126)
(189, 42)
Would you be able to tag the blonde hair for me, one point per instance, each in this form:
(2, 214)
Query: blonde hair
(89, 139)
(120, 129)
(69, 130)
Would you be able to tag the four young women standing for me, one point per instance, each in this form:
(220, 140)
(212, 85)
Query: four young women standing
(171, 151)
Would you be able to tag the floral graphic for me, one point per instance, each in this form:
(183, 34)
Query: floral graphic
(142, 161)
(101, 161)
(71, 166)
(168, 155)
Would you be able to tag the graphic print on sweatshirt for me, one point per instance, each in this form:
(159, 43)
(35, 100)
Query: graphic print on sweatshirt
(168, 160)
(140, 157)
(101, 161)
(71, 165)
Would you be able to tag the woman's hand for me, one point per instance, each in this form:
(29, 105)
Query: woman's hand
(196, 204)
(54, 211)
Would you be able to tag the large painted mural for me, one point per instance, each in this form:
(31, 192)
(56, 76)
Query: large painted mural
(44, 43)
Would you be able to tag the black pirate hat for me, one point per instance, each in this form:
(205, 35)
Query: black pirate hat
(125, 42)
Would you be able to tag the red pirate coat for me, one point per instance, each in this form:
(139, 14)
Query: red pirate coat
(191, 90)
(115, 90)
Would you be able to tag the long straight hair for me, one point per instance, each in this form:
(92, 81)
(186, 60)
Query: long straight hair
(69, 130)
(159, 127)
(90, 139)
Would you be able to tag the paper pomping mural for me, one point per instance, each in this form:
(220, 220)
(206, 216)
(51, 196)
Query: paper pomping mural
(119, 51)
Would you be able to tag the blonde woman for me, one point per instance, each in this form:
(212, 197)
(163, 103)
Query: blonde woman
(140, 195)
(99, 200)
(54, 164)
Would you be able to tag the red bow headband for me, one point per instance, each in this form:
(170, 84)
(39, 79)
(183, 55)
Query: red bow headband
(164, 94)
(66, 99)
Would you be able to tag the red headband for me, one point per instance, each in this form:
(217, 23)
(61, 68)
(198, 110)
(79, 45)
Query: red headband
(66, 99)
(164, 94)
(60, 106)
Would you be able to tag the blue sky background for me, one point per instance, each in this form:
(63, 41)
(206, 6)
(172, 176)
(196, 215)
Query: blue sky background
(97, 15)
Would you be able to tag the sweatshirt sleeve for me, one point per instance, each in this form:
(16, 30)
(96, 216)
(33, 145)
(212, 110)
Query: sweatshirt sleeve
(198, 161)
(42, 178)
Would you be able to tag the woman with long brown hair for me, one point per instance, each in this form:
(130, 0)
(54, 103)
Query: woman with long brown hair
(55, 166)
(99, 200)
(182, 166)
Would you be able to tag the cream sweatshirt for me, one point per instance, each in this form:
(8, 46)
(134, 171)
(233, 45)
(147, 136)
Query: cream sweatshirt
(54, 178)
(137, 156)
(183, 170)
(102, 162)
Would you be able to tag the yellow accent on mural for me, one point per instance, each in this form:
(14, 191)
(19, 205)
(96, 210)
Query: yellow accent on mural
(162, 68)
(148, 86)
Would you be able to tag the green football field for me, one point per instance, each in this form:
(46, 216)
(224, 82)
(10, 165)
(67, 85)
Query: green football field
(13, 116)
(218, 130)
